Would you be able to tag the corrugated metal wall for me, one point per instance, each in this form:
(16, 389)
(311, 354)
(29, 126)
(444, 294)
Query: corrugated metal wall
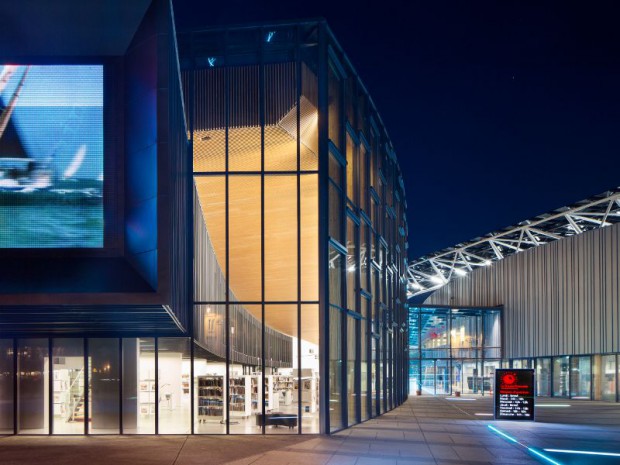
(559, 299)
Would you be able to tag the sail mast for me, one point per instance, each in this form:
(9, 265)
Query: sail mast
(8, 111)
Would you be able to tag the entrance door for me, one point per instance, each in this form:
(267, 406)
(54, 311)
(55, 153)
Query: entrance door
(442, 380)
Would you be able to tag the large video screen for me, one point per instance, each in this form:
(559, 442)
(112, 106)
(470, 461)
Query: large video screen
(51, 156)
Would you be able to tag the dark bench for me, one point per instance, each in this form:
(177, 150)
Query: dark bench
(277, 419)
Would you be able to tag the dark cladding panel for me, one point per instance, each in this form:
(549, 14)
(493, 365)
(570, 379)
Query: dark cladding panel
(141, 228)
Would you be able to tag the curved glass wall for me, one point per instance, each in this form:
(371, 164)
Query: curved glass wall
(297, 196)
(254, 141)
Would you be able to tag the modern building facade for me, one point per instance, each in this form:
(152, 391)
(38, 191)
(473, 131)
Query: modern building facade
(558, 294)
(453, 350)
(251, 277)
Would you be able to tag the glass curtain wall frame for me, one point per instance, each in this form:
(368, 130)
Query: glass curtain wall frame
(270, 233)
(543, 377)
(609, 377)
(351, 158)
(103, 412)
(138, 385)
(581, 377)
(454, 342)
(7, 374)
(33, 397)
(561, 376)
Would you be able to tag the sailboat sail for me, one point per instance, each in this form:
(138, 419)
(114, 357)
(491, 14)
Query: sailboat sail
(76, 163)
(10, 143)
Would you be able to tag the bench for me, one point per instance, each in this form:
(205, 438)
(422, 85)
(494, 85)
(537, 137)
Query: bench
(277, 419)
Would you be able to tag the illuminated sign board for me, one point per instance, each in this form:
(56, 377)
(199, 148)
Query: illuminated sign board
(514, 394)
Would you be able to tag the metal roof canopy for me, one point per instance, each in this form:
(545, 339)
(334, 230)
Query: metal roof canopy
(431, 272)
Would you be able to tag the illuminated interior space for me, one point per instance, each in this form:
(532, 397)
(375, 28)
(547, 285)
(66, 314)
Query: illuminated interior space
(453, 350)
(298, 224)
(249, 270)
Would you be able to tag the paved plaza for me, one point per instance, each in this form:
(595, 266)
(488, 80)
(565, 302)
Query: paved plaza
(425, 430)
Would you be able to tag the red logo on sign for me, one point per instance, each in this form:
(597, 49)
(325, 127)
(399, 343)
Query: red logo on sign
(509, 378)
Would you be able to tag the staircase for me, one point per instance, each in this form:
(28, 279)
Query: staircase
(76, 411)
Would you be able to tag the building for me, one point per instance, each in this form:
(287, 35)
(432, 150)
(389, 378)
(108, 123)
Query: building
(261, 291)
(548, 289)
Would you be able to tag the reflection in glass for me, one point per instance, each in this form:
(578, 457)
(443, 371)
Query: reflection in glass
(33, 393)
(364, 362)
(104, 405)
(335, 213)
(435, 336)
(381, 369)
(560, 376)
(352, 182)
(352, 271)
(374, 384)
(543, 377)
(352, 389)
(139, 385)
(608, 375)
(581, 377)
(335, 369)
(335, 276)
(363, 182)
(465, 336)
(335, 102)
(68, 386)
(6, 386)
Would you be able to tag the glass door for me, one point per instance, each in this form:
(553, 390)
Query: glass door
(442, 380)
(472, 381)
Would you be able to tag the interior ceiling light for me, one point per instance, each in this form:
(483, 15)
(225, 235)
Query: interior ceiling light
(437, 280)
(460, 271)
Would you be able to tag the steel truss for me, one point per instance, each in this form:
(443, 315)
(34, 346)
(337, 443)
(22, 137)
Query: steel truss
(433, 271)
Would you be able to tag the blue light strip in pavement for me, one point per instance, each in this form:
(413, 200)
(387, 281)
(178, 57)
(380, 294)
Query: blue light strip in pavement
(584, 452)
(543, 456)
(531, 450)
(504, 435)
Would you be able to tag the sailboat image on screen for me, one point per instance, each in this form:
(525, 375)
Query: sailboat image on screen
(21, 173)
(18, 172)
(51, 156)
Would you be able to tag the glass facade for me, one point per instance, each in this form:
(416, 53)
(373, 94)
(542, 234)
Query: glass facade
(297, 311)
(458, 349)
(453, 350)
(297, 196)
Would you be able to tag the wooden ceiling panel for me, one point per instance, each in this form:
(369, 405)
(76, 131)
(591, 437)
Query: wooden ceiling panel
(280, 237)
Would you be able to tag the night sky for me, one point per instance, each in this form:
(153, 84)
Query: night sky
(498, 110)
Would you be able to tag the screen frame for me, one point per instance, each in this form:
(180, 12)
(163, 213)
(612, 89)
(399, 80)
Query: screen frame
(113, 175)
